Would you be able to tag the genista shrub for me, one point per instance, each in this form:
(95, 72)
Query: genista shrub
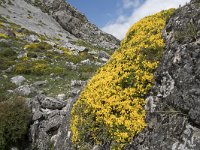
(110, 110)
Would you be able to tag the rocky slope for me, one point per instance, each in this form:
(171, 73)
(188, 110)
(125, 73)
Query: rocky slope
(56, 19)
(45, 63)
(173, 105)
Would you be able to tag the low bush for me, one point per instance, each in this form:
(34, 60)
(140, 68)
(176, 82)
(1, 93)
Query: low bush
(38, 47)
(14, 117)
(7, 58)
(5, 85)
(37, 67)
(3, 36)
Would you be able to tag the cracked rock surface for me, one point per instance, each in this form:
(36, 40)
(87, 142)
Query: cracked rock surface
(173, 106)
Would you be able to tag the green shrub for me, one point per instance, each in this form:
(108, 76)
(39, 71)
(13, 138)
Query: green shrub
(37, 67)
(3, 36)
(4, 86)
(7, 58)
(38, 47)
(7, 53)
(188, 32)
(14, 116)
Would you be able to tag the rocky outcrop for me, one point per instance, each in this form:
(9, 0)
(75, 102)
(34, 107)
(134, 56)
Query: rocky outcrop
(50, 127)
(173, 106)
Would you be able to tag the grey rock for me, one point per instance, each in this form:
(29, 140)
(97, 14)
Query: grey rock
(97, 147)
(61, 97)
(58, 51)
(24, 90)
(17, 80)
(37, 115)
(173, 105)
(86, 62)
(99, 64)
(103, 60)
(40, 83)
(53, 124)
(21, 55)
(52, 103)
(76, 48)
(103, 54)
(71, 65)
(33, 38)
(5, 76)
(74, 92)
(75, 83)
(92, 52)
(40, 23)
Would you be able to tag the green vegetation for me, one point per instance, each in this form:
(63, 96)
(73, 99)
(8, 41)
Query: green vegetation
(5, 85)
(189, 32)
(38, 47)
(110, 110)
(14, 116)
(37, 67)
(90, 46)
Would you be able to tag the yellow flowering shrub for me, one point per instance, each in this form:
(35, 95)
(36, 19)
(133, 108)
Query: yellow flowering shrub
(3, 36)
(37, 67)
(41, 46)
(111, 107)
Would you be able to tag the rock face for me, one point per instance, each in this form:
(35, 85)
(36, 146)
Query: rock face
(173, 106)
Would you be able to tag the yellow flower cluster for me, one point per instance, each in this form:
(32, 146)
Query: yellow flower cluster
(3, 36)
(111, 107)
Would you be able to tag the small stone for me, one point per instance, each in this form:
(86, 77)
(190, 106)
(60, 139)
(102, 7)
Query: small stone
(33, 38)
(5, 76)
(86, 62)
(104, 60)
(71, 65)
(103, 54)
(52, 103)
(40, 83)
(17, 80)
(61, 97)
(23, 90)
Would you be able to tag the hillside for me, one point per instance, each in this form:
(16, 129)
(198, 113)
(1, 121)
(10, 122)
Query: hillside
(43, 68)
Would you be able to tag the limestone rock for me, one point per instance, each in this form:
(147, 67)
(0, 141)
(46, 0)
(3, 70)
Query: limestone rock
(173, 106)
(52, 103)
(24, 90)
(17, 80)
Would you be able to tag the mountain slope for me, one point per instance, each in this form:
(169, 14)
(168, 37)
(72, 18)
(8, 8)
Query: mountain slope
(58, 19)
(43, 68)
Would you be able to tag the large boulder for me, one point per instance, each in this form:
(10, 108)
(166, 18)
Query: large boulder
(51, 103)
